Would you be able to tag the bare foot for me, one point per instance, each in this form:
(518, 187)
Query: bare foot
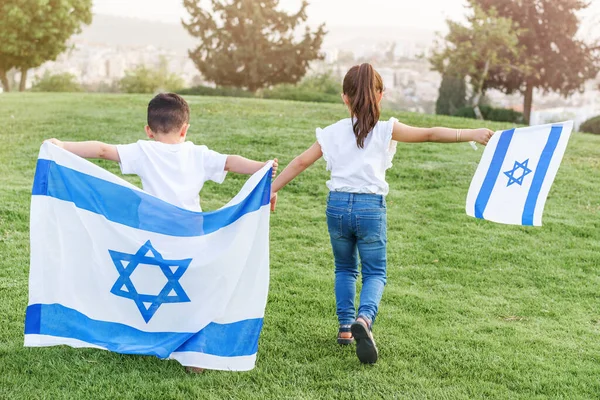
(194, 370)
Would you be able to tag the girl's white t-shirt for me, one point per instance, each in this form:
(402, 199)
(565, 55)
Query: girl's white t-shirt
(174, 173)
(353, 169)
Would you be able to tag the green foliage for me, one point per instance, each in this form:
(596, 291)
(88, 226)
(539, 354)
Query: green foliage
(471, 50)
(492, 114)
(292, 92)
(102, 87)
(143, 79)
(558, 59)
(35, 31)
(319, 88)
(505, 115)
(56, 83)
(592, 125)
(218, 91)
(250, 44)
(325, 83)
(468, 112)
(471, 310)
(452, 94)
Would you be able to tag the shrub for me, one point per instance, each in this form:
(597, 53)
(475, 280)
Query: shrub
(319, 88)
(492, 114)
(218, 91)
(291, 92)
(505, 115)
(468, 112)
(102, 87)
(150, 80)
(322, 83)
(56, 83)
(452, 94)
(592, 125)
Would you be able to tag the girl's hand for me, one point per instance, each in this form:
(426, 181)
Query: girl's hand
(56, 142)
(481, 135)
(273, 201)
(275, 166)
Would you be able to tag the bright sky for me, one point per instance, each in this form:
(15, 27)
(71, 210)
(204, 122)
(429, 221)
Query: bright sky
(426, 14)
(429, 14)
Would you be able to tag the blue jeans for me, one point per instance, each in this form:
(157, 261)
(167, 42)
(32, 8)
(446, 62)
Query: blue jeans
(357, 227)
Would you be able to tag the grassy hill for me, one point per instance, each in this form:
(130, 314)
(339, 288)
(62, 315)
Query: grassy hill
(472, 309)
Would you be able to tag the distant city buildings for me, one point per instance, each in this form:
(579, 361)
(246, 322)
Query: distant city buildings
(101, 56)
(94, 63)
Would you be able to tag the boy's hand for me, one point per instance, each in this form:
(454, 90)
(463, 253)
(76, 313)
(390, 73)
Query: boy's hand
(275, 166)
(481, 135)
(273, 201)
(56, 142)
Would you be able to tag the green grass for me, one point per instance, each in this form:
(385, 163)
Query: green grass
(472, 309)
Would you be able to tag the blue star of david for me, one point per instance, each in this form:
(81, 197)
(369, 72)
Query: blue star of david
(148, 304)
(511, 174)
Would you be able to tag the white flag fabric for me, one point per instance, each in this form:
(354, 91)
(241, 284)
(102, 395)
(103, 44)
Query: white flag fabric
(115, 268)
(515, 174)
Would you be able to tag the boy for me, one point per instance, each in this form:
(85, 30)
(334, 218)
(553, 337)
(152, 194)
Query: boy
(170, 168)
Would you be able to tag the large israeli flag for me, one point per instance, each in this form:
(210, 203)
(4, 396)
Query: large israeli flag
(115, 268)
(516, 172)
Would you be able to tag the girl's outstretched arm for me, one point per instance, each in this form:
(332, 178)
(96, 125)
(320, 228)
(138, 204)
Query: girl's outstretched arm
(297, 165)
(411, 134)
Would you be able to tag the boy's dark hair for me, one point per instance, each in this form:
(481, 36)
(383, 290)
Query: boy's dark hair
(167, 112)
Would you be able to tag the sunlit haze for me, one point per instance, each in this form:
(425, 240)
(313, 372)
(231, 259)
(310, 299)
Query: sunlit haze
(428, 14)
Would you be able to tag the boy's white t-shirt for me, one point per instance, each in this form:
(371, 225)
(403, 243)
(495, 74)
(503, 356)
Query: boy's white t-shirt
(354, 169)
(174, 173)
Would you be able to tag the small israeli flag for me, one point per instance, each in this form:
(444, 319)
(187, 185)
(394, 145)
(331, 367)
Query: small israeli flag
(115, 268)
(515, 174)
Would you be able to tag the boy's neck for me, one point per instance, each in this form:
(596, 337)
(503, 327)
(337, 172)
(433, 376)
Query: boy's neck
(169, 138)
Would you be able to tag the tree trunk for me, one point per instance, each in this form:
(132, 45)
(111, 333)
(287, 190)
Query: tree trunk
(478, 113)
(479, 90)
(23, 83)
(4, 80)
(528, 102)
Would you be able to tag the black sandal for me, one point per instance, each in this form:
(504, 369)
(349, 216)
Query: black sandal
(344, 340)
(366, 351)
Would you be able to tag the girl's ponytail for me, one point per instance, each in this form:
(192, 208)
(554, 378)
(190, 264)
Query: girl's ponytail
(362, 85)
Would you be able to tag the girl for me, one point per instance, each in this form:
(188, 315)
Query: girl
(358, 150)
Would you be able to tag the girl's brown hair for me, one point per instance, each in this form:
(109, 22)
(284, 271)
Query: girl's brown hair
(362, 85)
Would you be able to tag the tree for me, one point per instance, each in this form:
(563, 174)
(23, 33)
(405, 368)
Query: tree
(249, 44)
(35, 31)
(147, 80)
(452, 94)
(486, 42)
(558, 60)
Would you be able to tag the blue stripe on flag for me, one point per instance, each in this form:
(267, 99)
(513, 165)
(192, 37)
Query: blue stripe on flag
(492, 175)
(224, 340)
(540, 174)
(138, 209)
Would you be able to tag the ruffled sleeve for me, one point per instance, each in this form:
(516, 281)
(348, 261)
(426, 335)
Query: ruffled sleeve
(390, 145)
(324, 148)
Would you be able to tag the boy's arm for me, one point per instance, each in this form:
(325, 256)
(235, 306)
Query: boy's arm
(90, 149)
(245, 166)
